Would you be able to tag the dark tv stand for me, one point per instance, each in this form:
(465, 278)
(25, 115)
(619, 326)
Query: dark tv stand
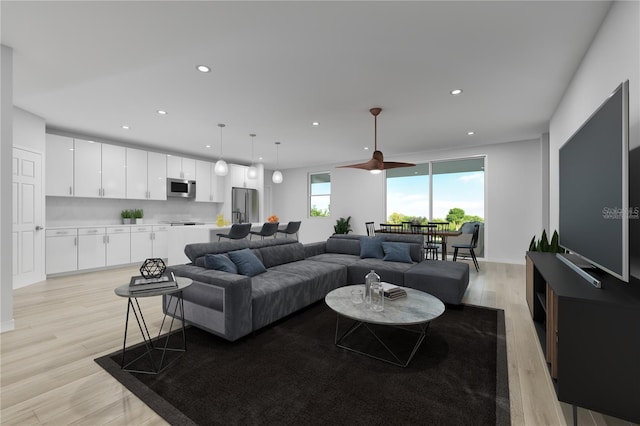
(590, 336)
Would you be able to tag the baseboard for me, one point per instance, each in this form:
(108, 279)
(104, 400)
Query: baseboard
(7, 326)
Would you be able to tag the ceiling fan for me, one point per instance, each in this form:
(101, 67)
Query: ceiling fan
(377, 163)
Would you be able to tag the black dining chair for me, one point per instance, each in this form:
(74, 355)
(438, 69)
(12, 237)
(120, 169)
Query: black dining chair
(371, 229)
(391, 227)
(291, 228)
(430, 246)
(269, 229)
(471, 247)
(238, 231)
(439, 239)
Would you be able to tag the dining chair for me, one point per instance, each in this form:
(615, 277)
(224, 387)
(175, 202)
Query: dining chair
(371, 229)
(429, 245)
(439, 239)
(291, 228)
(238, 231)
(269, 229)
(391, 227)
(471, 247)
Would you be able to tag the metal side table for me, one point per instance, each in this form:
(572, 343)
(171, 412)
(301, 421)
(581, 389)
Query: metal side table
(154, 345)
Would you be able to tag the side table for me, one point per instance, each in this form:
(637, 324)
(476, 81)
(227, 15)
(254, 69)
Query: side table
(153, 345)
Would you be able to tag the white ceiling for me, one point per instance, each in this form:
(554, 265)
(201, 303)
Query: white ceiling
(89, 67)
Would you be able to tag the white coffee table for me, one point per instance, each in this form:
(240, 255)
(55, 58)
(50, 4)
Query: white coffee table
(413, 313)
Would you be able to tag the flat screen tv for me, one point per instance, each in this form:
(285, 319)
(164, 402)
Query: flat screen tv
(594, 187)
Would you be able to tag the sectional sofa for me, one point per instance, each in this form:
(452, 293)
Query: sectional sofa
(291, 275)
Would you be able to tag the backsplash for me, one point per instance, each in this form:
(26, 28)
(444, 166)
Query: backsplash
(69, 211)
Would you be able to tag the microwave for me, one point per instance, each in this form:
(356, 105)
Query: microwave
(181, 188)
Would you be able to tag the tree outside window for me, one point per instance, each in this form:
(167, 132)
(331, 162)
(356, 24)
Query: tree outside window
(320, 194)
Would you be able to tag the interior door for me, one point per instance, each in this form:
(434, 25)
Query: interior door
(28, 237)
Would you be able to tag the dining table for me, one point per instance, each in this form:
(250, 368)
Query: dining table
(443, 234)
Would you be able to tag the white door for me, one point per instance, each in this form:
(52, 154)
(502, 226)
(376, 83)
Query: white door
(28, 238)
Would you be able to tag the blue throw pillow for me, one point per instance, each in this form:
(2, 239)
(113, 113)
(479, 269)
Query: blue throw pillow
(247, 262)
(397, 252)
(371, 247)
(220, 262)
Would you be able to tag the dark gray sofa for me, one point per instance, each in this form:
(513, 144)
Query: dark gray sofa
(232, 305)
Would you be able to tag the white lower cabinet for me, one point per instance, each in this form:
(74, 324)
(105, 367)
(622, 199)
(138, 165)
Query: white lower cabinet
(118, 246)
(141, 243)
(91, 248)
(161, 241)
(61, 251)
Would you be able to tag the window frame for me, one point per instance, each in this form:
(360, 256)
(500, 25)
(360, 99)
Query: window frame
(310, 195)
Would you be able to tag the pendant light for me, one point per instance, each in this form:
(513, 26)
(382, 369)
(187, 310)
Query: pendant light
(252, 172)
(277, 175)
(221, 168)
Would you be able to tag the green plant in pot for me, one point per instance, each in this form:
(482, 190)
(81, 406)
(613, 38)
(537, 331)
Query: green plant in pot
(126, 216)
(342, 226)
(138, 214)
(544, 245)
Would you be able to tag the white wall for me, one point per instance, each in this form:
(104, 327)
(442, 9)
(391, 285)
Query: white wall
(513, 194)
(6, 154)
(614, 56)
(28, 131)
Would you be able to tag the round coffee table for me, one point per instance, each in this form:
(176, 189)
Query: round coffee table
(418, 309)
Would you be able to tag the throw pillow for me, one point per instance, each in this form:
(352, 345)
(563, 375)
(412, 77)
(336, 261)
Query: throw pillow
(397, 252)
(247, 262)
(220, 262)
(371, 247)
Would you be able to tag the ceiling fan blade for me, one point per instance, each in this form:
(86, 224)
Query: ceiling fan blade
(372, 164)
(396, 164)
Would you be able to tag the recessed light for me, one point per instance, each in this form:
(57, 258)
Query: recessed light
(456, 91)
(315, 123)
(161, 112)
(471, 133)
(366, 148)
(203, 68)
(207, 146)
(125, 127)
(260, 158)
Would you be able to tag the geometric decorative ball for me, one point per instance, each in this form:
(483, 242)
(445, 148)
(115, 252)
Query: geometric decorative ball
(153, 268)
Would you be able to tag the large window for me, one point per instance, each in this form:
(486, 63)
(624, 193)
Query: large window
(451, 191)
(320, 194)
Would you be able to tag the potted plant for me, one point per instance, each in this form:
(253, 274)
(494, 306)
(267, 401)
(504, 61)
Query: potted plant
(126, 216)
(138, 214)
(342, 226)
(544, 245)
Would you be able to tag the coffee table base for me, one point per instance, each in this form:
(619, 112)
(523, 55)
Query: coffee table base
(340, 341)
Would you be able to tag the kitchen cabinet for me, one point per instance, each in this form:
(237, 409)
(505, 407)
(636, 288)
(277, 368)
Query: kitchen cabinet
(91, 248)
(161, 241)
(146, 175)
(209, 186)
(59, 166)
(61, 250)
(99, 170)
(181, 168)
(141, 243)
(239, 178)
(118, 246)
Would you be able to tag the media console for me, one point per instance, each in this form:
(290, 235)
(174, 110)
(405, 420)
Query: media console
(590, 336)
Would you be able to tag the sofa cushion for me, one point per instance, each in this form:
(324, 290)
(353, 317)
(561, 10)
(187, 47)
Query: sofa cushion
(220, 262)
(343, 245)
(340, 259)
(397, 252)
(247, 262)
(197, 251)
(391, 272)
(371, 247)
(447, 281)
(280, 254)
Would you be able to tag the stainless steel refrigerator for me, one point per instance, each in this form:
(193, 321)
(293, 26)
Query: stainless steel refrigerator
(244, 205)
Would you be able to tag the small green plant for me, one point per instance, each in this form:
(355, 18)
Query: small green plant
(342, 226)
(126, 214)
(138, 213)
(544, 245)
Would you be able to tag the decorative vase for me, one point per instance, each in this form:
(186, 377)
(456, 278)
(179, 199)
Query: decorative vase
(370, 279)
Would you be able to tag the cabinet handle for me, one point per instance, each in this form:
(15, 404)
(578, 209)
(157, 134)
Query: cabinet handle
(70, 190)
(75, 241)
(153, 236)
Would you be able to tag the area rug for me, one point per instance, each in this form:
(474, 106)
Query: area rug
(292, 373)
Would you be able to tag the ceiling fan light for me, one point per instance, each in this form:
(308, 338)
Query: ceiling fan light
(375, 171)
(277, 177)
(252, 172)
(221, 168)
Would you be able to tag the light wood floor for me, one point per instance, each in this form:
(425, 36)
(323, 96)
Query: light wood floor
(48, 375)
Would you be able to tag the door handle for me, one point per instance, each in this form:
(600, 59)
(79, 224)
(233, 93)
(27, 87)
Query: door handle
(39, 228)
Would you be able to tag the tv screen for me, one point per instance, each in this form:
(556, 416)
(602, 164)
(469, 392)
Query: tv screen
(594, 192)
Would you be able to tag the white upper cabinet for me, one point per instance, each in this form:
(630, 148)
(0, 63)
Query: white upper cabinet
(239, 178)
(114, 171)
(136, 174)
(99, 170)
(157, 176)
(59, 166)
(209, 186)
(181, 168)
(87, 168)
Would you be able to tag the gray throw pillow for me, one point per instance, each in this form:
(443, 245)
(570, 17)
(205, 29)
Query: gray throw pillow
(247, 262)
(371, 247)
(220, 262)
(397, 252)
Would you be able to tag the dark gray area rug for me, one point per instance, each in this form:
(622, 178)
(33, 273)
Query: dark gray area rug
(291, 373)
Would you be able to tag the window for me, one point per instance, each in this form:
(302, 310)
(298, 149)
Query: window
(451, 191)
(320, 194)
